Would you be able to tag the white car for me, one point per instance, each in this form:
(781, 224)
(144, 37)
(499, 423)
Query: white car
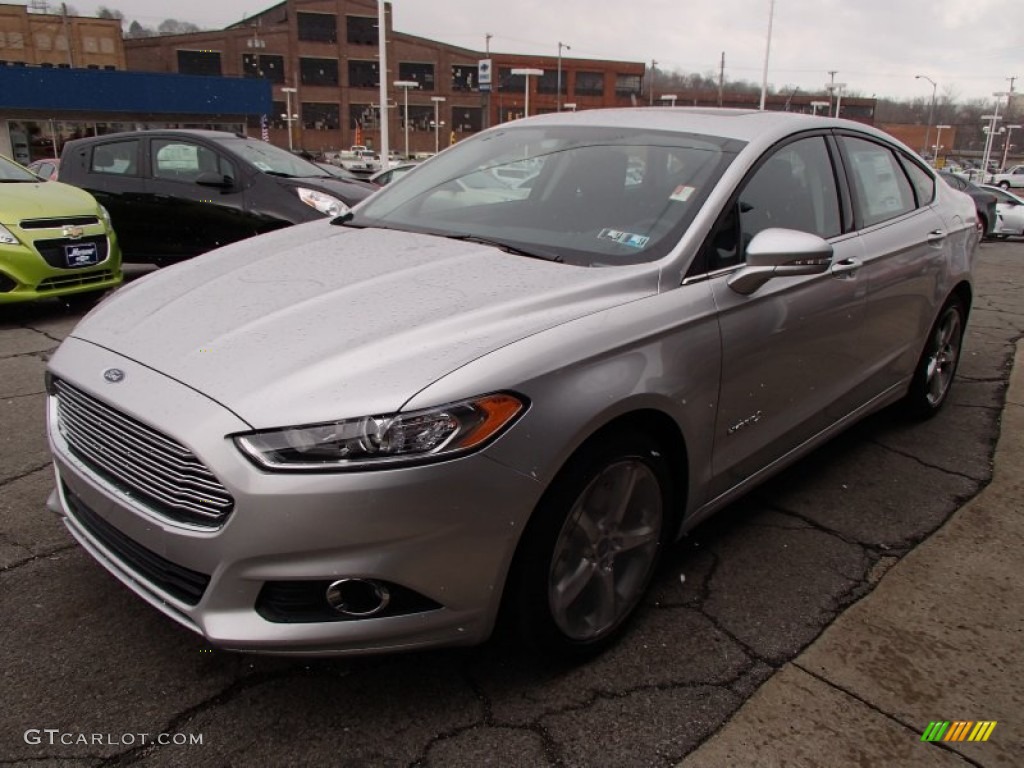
(1009, 213)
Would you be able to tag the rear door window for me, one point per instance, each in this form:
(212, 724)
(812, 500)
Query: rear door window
(881, 188)
(118, 158)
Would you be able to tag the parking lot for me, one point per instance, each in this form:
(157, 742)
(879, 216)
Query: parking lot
(94, 676)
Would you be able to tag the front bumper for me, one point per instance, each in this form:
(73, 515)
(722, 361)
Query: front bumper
(445, 532)
(26, 276)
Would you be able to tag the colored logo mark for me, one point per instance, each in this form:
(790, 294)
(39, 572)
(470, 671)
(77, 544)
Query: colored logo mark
(958, 730)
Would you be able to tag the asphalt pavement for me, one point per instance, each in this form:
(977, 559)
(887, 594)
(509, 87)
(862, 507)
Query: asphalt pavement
(826, 619)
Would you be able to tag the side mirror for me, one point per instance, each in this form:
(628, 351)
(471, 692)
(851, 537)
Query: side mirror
(780, 253)
(211, 179)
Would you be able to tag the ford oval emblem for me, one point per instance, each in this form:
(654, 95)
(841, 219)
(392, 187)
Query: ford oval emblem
(114, 375)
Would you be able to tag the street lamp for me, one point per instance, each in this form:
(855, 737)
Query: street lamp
(816, 104)
(1006, 147)
(990, 129)
(931, 111)
(406, 85)
(938, 141)
(527, 73)
(288, 110)
(836, 87)
(437, 122)
(767, 50)
(561, 45)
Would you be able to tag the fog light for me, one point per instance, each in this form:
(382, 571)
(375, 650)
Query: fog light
(358, 597)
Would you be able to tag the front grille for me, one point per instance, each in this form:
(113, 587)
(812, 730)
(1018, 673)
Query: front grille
(53, 250)
(185, 584)
(65, 221)
(140, 461)
(70, 281)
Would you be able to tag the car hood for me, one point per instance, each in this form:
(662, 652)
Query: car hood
(348, 191)
(42, 200)
(320, 322)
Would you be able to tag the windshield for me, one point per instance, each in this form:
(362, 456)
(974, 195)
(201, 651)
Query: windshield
(13, 172)
(269, 159)
(584, 195)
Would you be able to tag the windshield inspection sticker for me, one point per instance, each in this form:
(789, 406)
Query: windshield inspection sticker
(682, 193)
(624, 238)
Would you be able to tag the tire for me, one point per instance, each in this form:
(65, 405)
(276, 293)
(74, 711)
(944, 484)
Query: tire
(937, 366)
(593, 543)
(1004, 184)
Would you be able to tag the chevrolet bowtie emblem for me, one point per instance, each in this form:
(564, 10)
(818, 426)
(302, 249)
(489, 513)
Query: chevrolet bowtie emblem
(73, 233)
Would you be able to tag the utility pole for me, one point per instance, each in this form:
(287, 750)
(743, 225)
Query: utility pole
(1009, 102)
(494, 82)
(71, 54)
(654, 67)
(831, 79)
(721, 79)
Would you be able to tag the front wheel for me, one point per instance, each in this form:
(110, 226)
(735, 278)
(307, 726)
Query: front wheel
(1004, 184)
(588, 555)
(933, 377)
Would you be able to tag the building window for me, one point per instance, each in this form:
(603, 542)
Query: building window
(43, 42)
(361, 30)
(109, 66)
(321, 117)
(589, 84)
(418, 73)
(509, 82)
(467, 119)
(15, 40)
(365, 116)
(318, 71)
(362, 74)
(464, 77)
(199, 62)
(61, 43)
(318, 27)
(420, 118)
(276, 118)
(269, 67)
(548, 82)
(106, 45)
(89, 44)
(628, 85)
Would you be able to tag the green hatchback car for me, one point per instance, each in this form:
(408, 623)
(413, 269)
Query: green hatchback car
(55, 240)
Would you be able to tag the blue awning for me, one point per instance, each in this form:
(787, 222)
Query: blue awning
(92, 90)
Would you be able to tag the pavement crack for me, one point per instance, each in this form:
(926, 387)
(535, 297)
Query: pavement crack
(25, 474)
(818, 526)
(923, 463)
(33, 558)
(47, 334)
(879, 711)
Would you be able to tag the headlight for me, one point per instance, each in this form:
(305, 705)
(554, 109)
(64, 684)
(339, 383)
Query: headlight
(106, 217)
(6, 237)
(384, 441)
(326, 204)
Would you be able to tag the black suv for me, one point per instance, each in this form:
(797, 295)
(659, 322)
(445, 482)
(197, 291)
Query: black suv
(177, 193)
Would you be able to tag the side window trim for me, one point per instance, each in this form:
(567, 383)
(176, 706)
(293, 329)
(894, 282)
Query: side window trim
(858, 216)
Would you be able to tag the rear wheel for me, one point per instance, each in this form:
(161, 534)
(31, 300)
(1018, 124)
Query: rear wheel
(933, 378)
(588, 555)
(1004, 184)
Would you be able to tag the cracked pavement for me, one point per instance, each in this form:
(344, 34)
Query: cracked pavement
(732, 604)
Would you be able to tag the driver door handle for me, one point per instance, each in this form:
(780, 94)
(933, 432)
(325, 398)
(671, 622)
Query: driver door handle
(847, 267)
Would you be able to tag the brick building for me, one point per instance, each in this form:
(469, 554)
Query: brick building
(327, 50)
(61, 41)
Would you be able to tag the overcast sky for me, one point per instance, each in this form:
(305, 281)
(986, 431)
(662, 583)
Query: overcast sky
(969, 47)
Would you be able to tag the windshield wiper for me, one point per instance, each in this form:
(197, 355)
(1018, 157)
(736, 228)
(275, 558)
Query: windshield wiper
(506, 247)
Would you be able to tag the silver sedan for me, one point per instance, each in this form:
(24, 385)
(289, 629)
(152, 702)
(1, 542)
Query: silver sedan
(468, 399)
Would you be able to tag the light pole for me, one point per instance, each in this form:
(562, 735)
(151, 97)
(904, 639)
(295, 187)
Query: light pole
(1006, 147)
(561, 45)
(654, 68)
(406, 85)
(938, 141)
(382, 81)
(836, 87)
(991, 131)
(767, 50)
(289, 117)
(527, 73)
(816, 104)
(931, 112)
(437, 122)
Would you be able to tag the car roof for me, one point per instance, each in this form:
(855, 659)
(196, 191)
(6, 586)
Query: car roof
(182, 132)
(748, 125)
